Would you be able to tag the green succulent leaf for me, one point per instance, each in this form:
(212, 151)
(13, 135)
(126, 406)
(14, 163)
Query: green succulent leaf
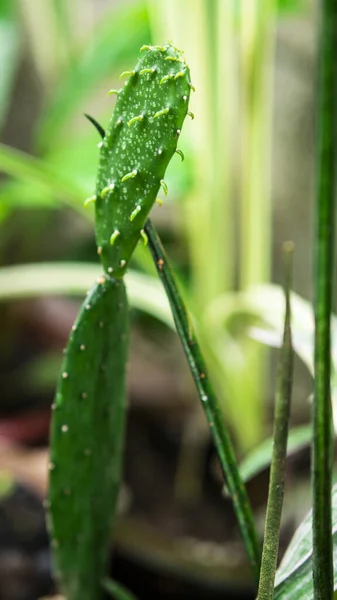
(87, 438)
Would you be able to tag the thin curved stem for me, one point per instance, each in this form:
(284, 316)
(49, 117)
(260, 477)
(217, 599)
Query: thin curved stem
(209, 402)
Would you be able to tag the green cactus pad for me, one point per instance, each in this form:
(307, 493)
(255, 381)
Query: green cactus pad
(140, 141)
(86, 441)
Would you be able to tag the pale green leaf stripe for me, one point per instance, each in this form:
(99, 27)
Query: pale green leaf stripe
(294, 575)
(70, 278)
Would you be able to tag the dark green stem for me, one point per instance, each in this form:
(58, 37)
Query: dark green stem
(279, 454)
(323, 277)
(209, 402)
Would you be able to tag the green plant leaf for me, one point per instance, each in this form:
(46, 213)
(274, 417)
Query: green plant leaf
(117, 590)
(259, 458)
(9, 53)
(70, 278)
(292, 6)
(294, 575)
(267, 301)
(29, 169)
(112, 44)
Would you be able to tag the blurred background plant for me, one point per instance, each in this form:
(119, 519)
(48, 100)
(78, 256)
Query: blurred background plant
(241, 191)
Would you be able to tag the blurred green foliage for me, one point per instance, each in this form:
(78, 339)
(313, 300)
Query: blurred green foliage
(75, 52)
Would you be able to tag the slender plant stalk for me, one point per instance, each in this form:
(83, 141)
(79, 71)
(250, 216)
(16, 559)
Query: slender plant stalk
(322, 448)
(209, 402)
(279, 454)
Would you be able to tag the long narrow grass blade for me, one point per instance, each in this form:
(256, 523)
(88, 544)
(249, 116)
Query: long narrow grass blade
(209, 401)
(27, 168)
(117, 590)
(323, 278)
(279, 455)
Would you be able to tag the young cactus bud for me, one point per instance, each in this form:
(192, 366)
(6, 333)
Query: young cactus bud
(140, 140)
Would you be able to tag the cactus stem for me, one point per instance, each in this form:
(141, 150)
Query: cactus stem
(130, 175)
(135, 212)
(181, 154)
(90, 200)
(190, 114)
(164, 186)
(113, 91)
(134, 119)
(107, 189)
(114, 236)
(162, 112)
(144, 236)
(127, 74)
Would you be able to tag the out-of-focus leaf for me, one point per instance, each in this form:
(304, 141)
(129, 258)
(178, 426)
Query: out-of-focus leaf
(294, 575)
(292, 6)
(267, 301)
(9, 53)
(6, 483)
(117, 590)
(77, 158)
(29, 169)
(259, 459)
(16, 194)
(113, 43)
(26, 281)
